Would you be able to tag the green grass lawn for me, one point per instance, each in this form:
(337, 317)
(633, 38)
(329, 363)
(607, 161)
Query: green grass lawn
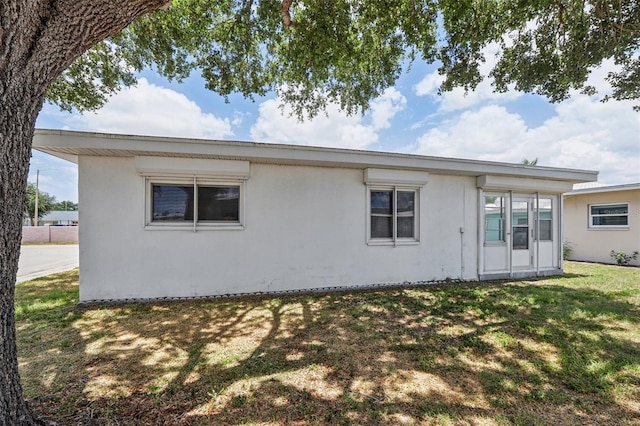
(555, 351)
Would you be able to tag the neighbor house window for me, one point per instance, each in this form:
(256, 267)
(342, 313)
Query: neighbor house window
(393, 216)
(194, 203)
(609, 215)
(494, 218)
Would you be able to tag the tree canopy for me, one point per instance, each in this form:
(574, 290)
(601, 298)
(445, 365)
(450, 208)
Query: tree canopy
(46, 203)
(349, 51)
(310, 52)
(65, 206)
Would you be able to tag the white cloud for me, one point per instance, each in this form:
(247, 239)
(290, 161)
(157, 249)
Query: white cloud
(457, 99)
(147, 109)
(429, 85)
(54, 176)
(491, 133)
(333, 129)
(584, 134)
(384, 108)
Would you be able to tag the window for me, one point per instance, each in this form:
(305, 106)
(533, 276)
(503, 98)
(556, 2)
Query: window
(393, 215)
(544, 217)
(194, 203)
(609, 215)
(494, 215)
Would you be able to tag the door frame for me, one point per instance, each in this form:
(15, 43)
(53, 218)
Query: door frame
(496, 257)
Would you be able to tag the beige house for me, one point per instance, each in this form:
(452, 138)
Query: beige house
(600, 219)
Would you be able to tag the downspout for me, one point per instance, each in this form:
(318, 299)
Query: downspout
(510, 228)
(480, 236)
(464, 214)
(195, 204)
(537, 240)
(394, 211)
(560, 245)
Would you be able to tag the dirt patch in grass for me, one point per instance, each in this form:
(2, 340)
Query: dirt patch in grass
(552, 351)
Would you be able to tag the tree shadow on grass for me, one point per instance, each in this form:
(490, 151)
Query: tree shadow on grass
(502, 353)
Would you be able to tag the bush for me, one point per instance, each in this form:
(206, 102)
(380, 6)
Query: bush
(623, 258)
(567, 250)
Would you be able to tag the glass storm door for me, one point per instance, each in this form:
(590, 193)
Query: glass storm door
(522, 232)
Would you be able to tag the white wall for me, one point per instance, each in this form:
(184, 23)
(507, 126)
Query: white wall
(595, 244)
(304, 228)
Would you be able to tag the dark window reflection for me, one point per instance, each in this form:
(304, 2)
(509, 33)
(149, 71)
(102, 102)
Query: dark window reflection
(381, 226)
(219, 203)
(382, 214)
(381, 202)
(405, 204)
(172, 203)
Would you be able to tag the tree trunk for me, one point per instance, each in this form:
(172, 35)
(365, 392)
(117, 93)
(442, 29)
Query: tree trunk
(16, 132)
(38, 40)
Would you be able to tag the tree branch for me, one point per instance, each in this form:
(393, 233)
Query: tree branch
(286, 14)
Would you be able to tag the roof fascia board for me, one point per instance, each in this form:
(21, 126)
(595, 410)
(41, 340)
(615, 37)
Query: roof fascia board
(294, 154)
(600, 189)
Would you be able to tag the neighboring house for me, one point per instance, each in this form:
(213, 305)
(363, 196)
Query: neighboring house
(600, 219)
(168, 217)
(59, 217)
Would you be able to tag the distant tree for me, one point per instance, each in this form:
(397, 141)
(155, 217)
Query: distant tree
(65, 206)
(46, 203)
(533, 162)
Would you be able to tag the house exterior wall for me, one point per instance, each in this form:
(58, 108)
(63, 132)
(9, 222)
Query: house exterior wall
(304, 228)
(595, 244)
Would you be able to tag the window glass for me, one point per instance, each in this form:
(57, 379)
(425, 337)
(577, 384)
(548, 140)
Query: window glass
(381, 202)
(381, 227)
(405, 207)
(172, 203)
(609, 215)
(520, 221)
(493, 218)
(545, 219)
(610, 209)
(545, 230)
(611, 220)
(218, 203)
(381, 214)
(391, 205)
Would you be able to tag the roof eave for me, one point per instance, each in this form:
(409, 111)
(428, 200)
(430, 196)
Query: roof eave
(70, 144)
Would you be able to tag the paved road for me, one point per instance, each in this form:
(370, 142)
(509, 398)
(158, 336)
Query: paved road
(40, 260)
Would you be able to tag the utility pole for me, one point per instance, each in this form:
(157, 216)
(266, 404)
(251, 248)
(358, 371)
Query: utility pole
(35, 214)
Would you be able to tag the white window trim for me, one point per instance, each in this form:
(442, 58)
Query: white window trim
(194, 225)
(591, 216)
(394, 241)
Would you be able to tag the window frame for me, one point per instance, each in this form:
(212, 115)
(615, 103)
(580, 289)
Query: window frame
(194, 224)
(394, 240)
(592, 216)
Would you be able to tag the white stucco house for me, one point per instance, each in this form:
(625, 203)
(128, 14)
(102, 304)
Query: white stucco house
(599, 219)
(169, 217)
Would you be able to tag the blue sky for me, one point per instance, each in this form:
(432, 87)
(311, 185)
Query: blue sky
(411, 117)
